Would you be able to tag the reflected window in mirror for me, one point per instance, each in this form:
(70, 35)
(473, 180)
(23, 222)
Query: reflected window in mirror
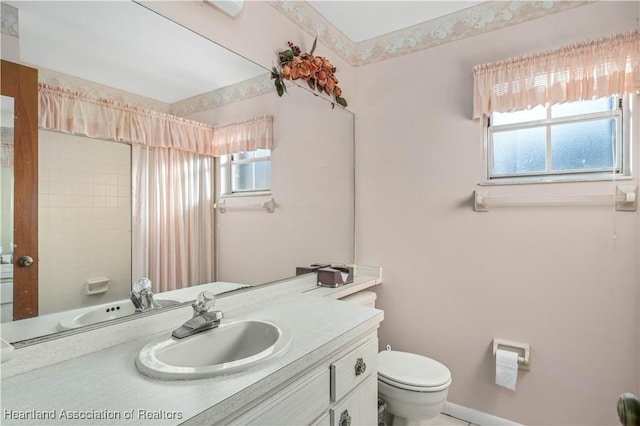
(246, 172)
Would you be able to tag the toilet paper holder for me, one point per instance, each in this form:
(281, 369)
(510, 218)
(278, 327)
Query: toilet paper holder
(523, 350)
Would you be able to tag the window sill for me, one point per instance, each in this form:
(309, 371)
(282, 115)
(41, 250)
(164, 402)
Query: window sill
(246, 194)
(554, 179)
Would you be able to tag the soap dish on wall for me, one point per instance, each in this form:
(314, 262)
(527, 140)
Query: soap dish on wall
(97, 285)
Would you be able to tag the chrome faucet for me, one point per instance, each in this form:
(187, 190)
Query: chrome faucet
(142, 297)
(202, 319)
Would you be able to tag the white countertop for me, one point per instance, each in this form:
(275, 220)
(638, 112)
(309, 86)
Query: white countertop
(106, 383)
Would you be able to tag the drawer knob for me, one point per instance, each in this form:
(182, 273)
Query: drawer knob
(345, 418)
(361, 367)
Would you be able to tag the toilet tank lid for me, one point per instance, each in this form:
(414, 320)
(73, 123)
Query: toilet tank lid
(412, 369)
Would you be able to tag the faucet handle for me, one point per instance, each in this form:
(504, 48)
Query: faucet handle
(204, 302)
(142, 284)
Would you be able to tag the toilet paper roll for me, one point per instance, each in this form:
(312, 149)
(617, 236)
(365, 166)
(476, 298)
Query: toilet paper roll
(506, 369)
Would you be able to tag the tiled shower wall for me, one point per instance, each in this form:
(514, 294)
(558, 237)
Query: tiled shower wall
(84, 220)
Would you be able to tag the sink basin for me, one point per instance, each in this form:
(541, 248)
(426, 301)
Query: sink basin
(230, 348)
(108, 312)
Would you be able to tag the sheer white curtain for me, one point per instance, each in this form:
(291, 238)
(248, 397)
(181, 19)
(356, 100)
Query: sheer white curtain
(582, 71)
(173, 217)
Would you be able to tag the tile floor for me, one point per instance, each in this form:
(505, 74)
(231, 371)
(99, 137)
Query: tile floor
(442, 420)
(446, 420)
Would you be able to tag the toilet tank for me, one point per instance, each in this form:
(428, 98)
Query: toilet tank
(364, 298)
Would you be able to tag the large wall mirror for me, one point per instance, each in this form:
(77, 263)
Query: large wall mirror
(88, 189)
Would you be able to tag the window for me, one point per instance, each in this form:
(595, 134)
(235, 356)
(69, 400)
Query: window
(246, 172)
(553, 135)
(569, 141)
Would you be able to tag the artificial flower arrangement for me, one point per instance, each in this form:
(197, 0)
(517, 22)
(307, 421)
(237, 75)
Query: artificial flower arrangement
(318, 72)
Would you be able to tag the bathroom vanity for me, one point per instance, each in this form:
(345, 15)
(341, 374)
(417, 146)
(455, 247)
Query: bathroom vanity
(327, 376)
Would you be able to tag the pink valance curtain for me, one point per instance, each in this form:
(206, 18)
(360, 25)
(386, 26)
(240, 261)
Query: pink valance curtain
(248, 135)
(68, 111)
(583, 71)
(73, 112)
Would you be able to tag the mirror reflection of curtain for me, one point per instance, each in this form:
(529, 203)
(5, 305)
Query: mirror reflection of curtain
(172, 177)
(173, 219)
(172, 181)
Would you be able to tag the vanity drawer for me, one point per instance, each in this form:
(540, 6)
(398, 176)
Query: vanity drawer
(360, 407)
(299, 404)
(352, 369)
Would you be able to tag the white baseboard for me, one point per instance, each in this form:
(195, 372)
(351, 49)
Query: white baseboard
(474, 416)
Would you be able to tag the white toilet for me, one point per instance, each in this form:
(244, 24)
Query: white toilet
(413, 386)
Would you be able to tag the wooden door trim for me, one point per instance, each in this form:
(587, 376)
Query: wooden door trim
(21, 83)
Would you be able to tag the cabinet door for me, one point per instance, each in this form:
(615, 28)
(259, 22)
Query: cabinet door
(299, 404)
(360, 407)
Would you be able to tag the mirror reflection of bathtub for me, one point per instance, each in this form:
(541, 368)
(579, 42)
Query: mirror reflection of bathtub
(6, 292)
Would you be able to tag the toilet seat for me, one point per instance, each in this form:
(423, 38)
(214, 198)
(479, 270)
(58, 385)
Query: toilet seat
(412, 372)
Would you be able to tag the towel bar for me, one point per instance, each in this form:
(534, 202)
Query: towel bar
(268, 205)
(625, 199)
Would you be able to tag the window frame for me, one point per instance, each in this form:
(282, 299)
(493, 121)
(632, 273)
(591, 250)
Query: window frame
(226, 167)
(622, 167)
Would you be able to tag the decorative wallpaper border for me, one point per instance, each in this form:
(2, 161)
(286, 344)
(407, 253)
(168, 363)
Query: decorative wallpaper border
(97, 90)
(244, 90)
(485, 17)
(488, 16)
(315, 24)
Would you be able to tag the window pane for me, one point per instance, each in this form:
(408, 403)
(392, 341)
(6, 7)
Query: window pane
(263, 174)
(243, 155)
(259, 153)
(583, 107)
(519, 151)
(241, 177)
(584, 145)
(537, 113)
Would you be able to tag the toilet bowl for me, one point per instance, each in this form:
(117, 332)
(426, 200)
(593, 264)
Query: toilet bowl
(413, 386)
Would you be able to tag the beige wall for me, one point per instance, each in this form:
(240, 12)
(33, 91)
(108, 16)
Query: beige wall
(84, 220)
(312, 183)
(313, 161)
(564, 280)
